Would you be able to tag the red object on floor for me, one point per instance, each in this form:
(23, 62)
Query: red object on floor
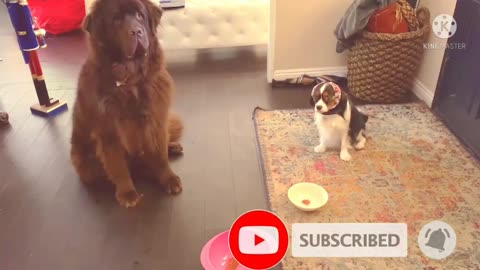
(306, 202)
(58, 17)
(385, 21)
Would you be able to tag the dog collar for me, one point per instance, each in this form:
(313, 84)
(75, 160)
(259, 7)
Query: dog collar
(338, 94)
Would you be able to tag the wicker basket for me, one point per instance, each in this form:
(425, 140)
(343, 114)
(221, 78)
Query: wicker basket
(382, 67)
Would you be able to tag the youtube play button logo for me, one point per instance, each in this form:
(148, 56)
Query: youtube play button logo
(258, 240)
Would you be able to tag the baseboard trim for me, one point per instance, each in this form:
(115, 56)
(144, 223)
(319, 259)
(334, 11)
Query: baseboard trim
(284, 74)
(423, 92)
(419, 89)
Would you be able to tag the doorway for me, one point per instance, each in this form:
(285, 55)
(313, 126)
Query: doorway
(457, 101)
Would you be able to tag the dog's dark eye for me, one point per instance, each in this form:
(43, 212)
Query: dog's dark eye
(325, 96)
(139, 16)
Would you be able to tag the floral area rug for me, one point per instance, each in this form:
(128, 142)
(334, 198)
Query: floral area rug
(413, 171)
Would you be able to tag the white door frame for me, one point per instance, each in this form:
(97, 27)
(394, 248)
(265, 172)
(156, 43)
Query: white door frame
(271, 42)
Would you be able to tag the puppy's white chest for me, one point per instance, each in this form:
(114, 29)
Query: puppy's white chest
(330, 122)
(331, 128)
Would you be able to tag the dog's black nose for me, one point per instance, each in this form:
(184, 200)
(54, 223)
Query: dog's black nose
(136, 32)
(319, 107)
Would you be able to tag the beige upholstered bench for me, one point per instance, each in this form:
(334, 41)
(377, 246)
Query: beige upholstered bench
(214, 23)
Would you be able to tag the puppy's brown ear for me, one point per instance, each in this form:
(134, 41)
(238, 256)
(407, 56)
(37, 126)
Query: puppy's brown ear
(155, 13)
(87, 24)
(315, 94)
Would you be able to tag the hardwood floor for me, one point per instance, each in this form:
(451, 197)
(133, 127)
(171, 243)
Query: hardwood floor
(48, 220)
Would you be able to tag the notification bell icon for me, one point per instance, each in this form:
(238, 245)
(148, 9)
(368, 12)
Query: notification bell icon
(437, 239)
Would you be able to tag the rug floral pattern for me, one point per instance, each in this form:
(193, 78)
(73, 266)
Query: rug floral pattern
(413, 170)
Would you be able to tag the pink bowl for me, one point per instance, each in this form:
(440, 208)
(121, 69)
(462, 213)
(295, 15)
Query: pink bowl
(216, 253)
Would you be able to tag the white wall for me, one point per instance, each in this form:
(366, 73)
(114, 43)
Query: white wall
(302, 41)
(431, 64)
(302, 36)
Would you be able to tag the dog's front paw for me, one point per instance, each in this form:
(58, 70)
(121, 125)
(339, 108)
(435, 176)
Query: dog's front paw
(319, 149)
(172, 184)
(345, 156)
(360, 145)
(128, 198)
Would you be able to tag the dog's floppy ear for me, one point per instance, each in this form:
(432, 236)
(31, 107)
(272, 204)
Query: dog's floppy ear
(315, 89)
(87, 24)
(155, 13)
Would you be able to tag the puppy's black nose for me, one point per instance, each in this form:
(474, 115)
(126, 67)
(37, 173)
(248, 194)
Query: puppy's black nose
(136, 32)
(319, 107)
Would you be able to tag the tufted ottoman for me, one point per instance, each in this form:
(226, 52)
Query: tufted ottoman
(214, 23)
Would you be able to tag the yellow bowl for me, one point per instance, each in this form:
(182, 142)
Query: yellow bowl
(307, 196)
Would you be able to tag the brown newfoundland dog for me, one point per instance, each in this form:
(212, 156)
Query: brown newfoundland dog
(121, 117)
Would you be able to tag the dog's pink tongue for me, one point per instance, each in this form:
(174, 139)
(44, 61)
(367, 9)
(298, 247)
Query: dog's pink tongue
(131, 47)
(140, 51)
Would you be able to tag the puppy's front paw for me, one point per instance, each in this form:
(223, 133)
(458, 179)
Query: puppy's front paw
(128, 198)
(172, 184)
(360, 145)
(320, 148)
(345, 156)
